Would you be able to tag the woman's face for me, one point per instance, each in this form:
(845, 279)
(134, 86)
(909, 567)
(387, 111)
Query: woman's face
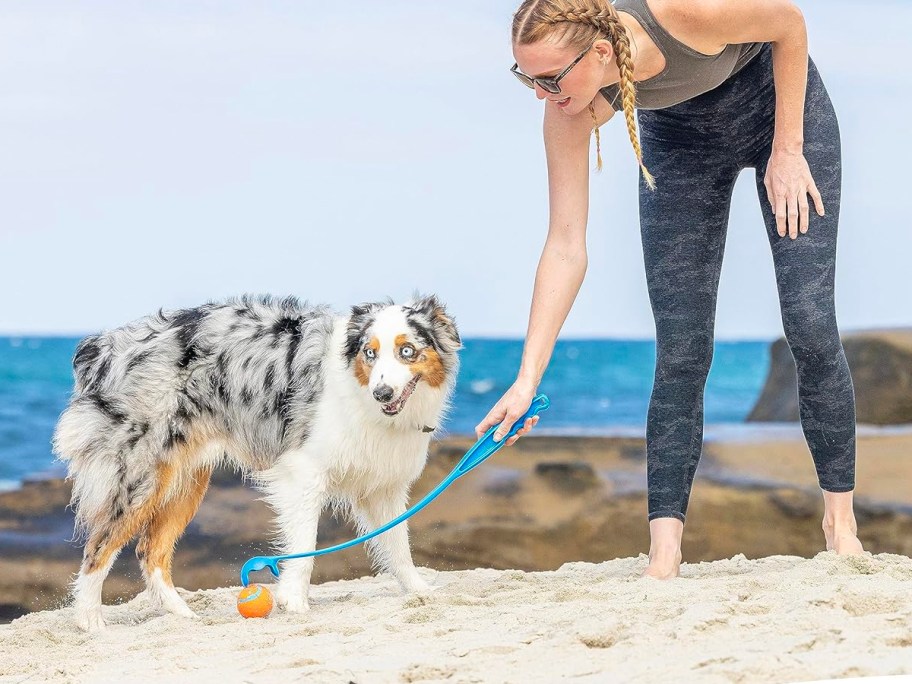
(578, 87)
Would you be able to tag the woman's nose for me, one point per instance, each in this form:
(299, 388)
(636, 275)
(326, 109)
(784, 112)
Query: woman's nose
(540, 92)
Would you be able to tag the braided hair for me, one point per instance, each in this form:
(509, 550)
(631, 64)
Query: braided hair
(582, 22)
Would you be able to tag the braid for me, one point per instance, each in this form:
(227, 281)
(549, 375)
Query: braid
(537, 19)
(598, 138)
(621, 43)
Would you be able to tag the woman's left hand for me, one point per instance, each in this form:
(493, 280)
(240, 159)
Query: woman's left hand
(788, 183)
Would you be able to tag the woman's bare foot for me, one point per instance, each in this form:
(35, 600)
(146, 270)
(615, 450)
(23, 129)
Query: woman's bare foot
(839, 527)
(664, 548)
(665, 564)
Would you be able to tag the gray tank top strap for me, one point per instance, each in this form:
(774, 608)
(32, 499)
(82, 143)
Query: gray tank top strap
(687, 72)
(673, 49)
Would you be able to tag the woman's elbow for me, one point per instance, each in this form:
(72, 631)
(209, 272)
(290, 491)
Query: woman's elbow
(566, 250)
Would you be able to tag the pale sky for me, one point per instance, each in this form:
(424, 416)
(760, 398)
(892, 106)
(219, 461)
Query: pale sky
(167, 153)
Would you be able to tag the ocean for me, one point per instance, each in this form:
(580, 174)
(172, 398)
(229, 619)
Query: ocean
(596, 387)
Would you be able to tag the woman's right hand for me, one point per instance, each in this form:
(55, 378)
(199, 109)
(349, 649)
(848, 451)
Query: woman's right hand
(510, 408)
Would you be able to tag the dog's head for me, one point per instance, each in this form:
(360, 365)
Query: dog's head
(392, 348)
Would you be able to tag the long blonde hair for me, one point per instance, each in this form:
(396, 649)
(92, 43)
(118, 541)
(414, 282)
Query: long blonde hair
(582, 23)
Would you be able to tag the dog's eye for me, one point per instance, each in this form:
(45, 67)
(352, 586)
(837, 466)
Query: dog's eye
(407, 351)
(370, 353)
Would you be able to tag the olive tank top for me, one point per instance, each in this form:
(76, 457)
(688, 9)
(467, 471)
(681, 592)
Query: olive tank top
(687, 73)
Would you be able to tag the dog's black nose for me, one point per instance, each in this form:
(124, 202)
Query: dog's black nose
(383, 393)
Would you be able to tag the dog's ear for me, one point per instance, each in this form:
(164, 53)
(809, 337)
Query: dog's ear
(359, 320)
(441, 323)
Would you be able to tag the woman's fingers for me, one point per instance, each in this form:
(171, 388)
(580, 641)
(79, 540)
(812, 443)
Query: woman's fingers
(788, 182)
(513, 414)
(818, 200)
(524, 430)
(793, 215)
(495, 415)
(803, 213)
(506, 412)
(781, 209)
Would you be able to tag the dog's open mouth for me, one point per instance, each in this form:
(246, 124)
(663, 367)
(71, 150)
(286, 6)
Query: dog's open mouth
(394, 407)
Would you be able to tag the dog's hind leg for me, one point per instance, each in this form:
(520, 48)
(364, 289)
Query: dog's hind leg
(155, 549)
(101, 550)
(109, 531)
(390, 551)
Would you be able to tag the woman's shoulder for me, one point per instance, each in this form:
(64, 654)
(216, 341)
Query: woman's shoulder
(699, 24)
(709, 25)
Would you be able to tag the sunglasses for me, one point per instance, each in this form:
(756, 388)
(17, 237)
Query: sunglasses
(549, 84)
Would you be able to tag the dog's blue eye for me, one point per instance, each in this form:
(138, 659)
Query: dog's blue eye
(369, 353)
(407, 352)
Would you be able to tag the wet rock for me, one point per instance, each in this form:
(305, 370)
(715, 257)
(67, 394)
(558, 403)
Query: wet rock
(567, 477)
(502, 483)
(795, 503)
(880, 362)
(633, 452)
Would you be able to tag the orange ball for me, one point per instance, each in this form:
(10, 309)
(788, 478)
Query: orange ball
(254, 601)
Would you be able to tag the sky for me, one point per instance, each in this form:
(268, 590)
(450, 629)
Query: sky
(169, 153)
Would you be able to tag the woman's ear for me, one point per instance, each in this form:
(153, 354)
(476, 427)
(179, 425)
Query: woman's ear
(605, 50)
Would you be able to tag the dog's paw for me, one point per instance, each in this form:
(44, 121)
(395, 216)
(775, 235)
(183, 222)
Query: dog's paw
(291, 601)
(89, 619)
(163, 595)
(175, 604)
(416, 585)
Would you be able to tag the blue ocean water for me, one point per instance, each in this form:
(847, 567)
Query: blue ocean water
(595, 385)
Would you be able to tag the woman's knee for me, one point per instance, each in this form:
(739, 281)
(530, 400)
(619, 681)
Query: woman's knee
(814, 343)
(688, 359)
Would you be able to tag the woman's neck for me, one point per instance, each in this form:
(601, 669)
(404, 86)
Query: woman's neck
(648, 60)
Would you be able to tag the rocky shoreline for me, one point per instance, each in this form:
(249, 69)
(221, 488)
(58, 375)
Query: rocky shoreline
(547, 501)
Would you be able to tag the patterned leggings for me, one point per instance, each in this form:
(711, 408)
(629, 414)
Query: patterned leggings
(696, 150)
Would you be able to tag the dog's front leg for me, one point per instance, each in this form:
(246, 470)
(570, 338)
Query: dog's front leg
(298, 500)
(390, 551)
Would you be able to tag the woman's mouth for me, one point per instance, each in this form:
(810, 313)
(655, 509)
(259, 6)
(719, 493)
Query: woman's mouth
(562, 103)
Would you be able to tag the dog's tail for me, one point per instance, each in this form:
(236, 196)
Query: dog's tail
(109, 461)
(111, 456)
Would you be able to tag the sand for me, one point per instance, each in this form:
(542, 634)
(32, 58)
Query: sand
(774, 619)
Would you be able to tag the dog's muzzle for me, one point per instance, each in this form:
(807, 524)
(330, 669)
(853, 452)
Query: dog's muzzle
(384, 394)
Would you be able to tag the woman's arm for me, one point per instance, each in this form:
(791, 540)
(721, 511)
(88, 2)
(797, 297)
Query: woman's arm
(563, 261)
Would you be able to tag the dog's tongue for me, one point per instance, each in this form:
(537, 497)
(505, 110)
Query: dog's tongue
(395, 406)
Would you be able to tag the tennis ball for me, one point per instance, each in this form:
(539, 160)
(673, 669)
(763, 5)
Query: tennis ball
(254, 601)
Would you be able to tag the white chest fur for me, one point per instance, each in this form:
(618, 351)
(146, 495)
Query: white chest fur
(360, 449)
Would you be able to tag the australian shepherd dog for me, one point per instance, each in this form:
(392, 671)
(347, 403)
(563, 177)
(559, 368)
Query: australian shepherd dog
(318, 408)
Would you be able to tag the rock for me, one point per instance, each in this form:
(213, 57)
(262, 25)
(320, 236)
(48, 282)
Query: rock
(881, 365)
(35, 497)
(502, 483)
(567, 477)
(795, 503)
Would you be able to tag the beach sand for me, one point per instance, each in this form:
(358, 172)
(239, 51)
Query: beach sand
(765, 605)
(774, 619)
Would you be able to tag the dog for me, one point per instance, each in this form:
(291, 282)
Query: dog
(317, 408)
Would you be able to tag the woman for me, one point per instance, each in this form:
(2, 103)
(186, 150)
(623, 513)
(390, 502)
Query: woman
(720, 87)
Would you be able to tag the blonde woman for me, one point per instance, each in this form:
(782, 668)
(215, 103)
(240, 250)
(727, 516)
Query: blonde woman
(719, 87)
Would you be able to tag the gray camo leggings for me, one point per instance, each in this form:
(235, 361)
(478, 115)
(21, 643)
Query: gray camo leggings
(696, 150)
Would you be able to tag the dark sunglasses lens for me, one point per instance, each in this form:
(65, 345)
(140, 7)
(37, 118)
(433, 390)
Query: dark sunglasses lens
(525, 80)
(549, 84)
